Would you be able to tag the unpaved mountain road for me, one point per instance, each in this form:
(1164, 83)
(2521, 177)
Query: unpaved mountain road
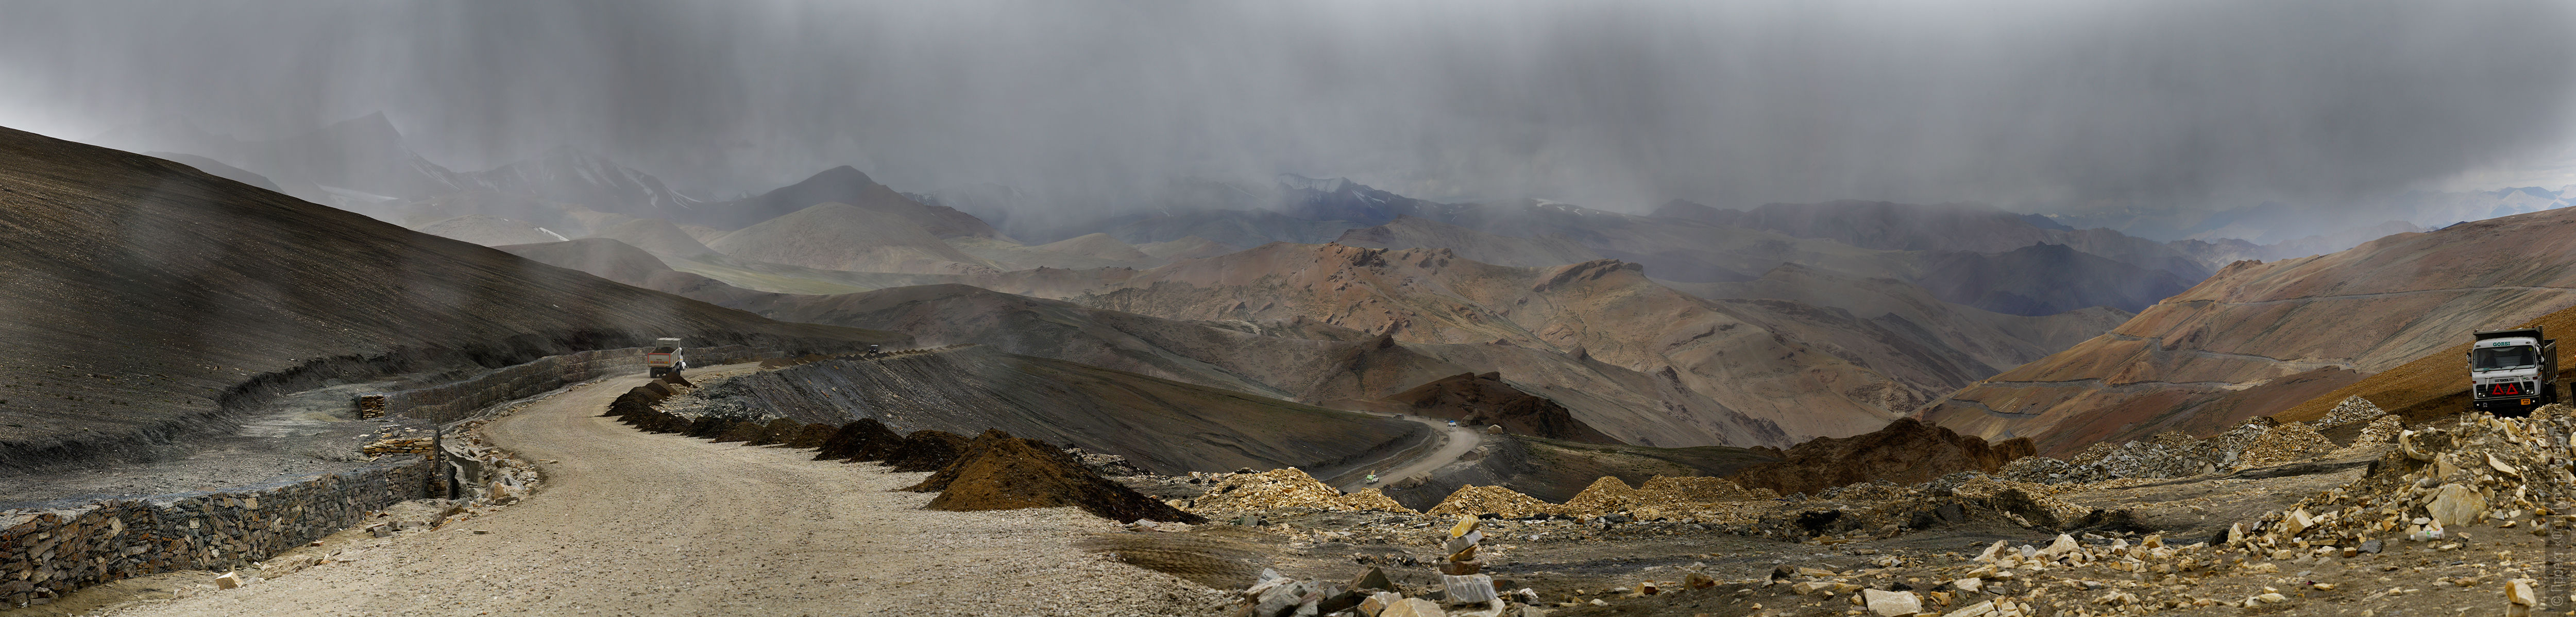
(634, 523)
(1455, 441)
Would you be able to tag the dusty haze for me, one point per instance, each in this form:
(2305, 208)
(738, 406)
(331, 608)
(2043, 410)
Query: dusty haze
(1614, 104)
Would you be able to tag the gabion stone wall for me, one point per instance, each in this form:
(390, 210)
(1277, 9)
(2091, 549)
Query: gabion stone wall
(44, 554)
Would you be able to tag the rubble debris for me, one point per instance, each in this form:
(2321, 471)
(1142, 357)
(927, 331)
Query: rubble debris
(228, 580)
(2351, 409)
(1108, 465)
(400, 445)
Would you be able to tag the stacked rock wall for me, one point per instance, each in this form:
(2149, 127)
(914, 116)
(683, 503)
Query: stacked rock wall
(44, 554)
(47, 553)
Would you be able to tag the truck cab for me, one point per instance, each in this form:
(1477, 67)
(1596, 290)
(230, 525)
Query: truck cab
(665, 357)
(2512, 371)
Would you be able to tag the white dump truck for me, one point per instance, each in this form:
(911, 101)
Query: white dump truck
(665, 357)
(2512, 371)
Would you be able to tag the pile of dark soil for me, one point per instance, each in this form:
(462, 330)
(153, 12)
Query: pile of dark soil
(927, 450)
(1484, 400)
(1001, 472)
(993, 472)
(1905, 452)
(862, 440)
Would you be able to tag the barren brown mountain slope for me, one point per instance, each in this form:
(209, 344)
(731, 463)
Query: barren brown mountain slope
(148, 302)
(1294, 358)
(837, 236)
(1814, 371)
(1999, 340)
(1164, 426)
(1484, 400)
(2258, 338)
(1409, 232)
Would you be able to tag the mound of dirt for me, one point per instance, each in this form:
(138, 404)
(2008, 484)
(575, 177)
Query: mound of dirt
(1484, 400)
(999, 472)
(1907, 451)
(1286, 487)
(927, 450)
(1606, 495)
(1493, 500)
(863, 440)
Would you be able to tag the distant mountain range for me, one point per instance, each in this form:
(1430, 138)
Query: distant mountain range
(1688, 325)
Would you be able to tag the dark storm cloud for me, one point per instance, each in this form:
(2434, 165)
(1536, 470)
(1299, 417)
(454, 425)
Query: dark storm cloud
(1618, 104)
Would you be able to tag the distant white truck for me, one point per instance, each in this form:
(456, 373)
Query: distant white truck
(665, 358)
(2512, 371)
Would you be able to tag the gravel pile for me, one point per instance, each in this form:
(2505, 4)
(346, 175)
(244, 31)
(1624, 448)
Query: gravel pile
(2435, 484)
(1284, 488)
(2258, 442)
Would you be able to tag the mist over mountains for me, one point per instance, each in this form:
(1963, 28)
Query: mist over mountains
(2137, 110)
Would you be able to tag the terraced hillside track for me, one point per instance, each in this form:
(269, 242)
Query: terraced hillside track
(634, 523)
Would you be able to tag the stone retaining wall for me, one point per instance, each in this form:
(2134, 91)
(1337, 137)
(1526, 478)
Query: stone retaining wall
(44, 554)
(47, 553)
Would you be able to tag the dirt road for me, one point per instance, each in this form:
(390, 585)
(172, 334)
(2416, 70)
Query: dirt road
(632, 523)
(1455, 441)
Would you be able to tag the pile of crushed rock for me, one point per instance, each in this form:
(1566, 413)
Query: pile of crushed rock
(2260, 441)
(2437, 482)
(994, 471)
(1277, 489)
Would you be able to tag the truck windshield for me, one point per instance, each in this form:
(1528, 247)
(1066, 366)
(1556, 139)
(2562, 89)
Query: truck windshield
(2494, 358)
(661, 350)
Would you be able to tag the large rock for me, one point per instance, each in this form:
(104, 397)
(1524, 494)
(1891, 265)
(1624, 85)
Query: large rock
(1891, 603)
(1413, 607)
(2456, 506)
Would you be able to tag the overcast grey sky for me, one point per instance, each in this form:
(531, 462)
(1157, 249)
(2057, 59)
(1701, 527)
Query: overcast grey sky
(1615, 104)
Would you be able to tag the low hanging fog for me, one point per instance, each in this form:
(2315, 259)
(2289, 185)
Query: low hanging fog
(2040, 105)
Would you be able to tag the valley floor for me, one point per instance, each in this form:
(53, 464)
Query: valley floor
(635, 523)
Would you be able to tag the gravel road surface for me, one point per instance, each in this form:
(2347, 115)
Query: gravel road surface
(632, 523)
(1455, 441)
